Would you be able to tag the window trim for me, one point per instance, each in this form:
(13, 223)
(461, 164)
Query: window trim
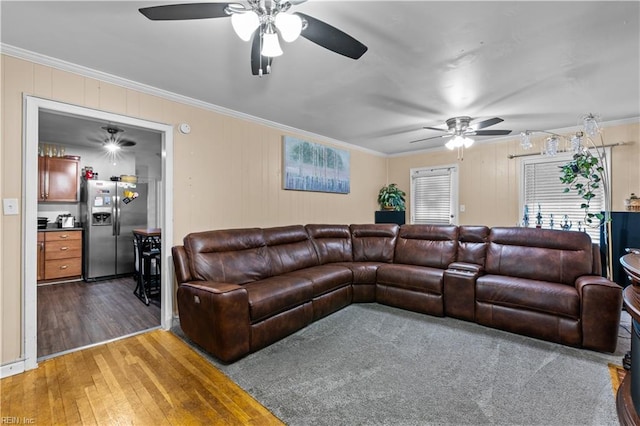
(454, 201)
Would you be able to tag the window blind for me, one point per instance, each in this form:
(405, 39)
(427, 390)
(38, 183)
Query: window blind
(542, 187)
(432, 196)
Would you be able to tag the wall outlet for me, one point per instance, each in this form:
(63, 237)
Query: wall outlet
(10, 206)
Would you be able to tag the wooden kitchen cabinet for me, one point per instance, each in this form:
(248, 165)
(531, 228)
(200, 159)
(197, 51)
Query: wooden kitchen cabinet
(58, 179)
(62, 255)
(40, 275)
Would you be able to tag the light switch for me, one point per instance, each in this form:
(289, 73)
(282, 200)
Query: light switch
(10, 206)
(462, 208)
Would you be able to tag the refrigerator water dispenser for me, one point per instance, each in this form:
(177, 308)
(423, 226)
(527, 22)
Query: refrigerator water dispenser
(101, 219)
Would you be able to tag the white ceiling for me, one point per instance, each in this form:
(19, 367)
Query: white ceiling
(538, 65)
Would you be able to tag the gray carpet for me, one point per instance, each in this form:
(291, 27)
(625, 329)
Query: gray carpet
(371, 364)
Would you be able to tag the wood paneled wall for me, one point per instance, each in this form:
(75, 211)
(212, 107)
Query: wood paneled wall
(489, 181)
(227, 171)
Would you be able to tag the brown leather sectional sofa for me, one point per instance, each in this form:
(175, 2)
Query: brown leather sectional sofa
(243, 289)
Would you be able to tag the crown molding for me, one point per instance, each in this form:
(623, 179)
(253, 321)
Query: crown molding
(62, 65)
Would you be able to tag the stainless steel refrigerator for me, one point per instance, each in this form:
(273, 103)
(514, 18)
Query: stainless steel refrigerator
(110, 212)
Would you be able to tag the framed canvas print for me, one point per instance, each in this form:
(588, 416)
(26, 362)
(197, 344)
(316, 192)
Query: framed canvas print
(310, 166)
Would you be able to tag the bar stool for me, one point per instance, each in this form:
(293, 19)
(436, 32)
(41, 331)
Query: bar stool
(148, 267)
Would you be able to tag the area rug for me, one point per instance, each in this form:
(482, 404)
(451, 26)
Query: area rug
(371, 364)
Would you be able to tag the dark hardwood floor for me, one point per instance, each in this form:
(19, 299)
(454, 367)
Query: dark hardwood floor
(77, 313)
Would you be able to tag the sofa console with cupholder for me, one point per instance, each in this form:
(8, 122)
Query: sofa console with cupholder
(240, 290)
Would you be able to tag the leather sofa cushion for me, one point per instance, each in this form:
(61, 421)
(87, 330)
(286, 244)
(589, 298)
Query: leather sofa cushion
(426, 245)
(422, 279)
(374, 243)
(525, 294)
(325, 278)
(289, 249)
(273, 295)
(363, 272)
(472, 244)
(539, 254)
(332, 242)
(234, 256)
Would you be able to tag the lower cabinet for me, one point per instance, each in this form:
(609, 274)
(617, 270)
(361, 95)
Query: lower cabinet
(40, 275)
(62, 255)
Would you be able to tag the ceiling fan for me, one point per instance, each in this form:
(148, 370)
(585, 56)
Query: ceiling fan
(264, 20)
(460, 128)
(113, 141)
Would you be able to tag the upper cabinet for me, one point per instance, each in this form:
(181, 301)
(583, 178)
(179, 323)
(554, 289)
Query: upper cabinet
(58, 179)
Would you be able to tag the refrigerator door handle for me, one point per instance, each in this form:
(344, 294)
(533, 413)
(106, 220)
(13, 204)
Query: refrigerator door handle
(117, 209)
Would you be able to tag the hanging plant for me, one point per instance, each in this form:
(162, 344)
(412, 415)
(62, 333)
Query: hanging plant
(584, 174)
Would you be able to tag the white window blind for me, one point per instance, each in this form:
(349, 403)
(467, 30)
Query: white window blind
(432, 195)
(542, 187)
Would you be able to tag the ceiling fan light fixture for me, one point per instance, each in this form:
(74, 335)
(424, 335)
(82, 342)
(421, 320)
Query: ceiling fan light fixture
(112, 146)
(459, 141)
(290, 26)
(245, 24)
(270, 45)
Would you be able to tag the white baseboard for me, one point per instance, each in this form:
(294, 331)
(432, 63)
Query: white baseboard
(11, 369)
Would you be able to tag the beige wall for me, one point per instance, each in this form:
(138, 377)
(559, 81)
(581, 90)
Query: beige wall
(489, 180)
(227, 171)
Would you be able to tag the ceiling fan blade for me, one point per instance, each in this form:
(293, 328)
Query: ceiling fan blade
(489, 132)
(432, 137)
(331, 38)
(487, 123)
(174, 12)
(257, 60)
(436, 128)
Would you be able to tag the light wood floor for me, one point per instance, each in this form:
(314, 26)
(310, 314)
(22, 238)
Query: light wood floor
(149, 379)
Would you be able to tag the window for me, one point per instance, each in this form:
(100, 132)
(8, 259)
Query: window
(541, 186)
(434, 195)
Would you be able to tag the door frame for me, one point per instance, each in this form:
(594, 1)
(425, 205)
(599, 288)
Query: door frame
(31, 108)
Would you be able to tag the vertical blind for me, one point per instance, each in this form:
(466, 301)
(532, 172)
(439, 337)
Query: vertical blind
(432, 196)
(542, 187)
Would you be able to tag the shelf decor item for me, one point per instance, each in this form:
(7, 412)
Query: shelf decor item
(391, 197)
(632, 204)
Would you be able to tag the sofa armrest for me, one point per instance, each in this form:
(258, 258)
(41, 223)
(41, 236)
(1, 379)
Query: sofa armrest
(216, 316)
(466, 267)
(601, 306)
(181, 264)
(459, 284)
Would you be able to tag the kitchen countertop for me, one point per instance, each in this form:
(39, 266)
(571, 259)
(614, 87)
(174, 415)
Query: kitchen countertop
(54, 228)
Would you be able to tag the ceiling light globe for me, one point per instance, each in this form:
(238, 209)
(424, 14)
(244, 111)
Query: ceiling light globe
(112, 147)
(451, 144)
(467, 142)
(245, 24)
(290, 26)
(270, 45)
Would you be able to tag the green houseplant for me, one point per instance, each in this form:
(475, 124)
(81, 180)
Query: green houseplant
(391, 197)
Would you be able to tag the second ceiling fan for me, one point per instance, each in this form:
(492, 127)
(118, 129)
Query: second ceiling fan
(460, 128)
(264, 20)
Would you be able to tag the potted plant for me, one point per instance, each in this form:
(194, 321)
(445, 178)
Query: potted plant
(391, 197)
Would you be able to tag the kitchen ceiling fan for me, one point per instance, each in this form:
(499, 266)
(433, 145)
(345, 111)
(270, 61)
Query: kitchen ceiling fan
(460, 128)
(113, 140)
(264, 20)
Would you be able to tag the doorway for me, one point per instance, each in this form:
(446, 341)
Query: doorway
(33, 108)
